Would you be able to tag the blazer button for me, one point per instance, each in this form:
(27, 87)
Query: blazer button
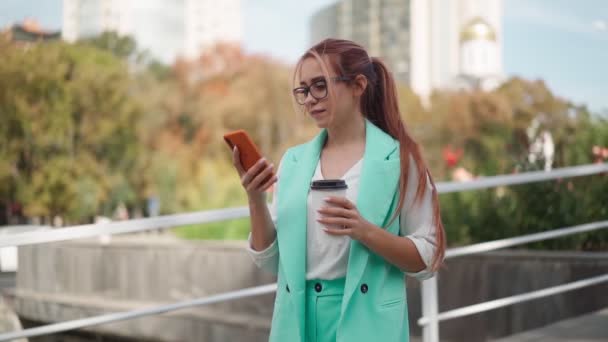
(318, 287)
(364, 288)
(287, 288)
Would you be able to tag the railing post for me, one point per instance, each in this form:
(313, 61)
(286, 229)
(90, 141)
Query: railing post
(430, 331)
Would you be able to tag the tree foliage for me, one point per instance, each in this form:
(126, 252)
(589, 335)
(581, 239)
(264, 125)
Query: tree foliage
(67, 139)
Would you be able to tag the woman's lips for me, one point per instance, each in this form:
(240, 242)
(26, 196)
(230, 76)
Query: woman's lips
(317, 112)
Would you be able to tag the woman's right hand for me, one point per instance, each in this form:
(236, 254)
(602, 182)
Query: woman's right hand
(258, 178)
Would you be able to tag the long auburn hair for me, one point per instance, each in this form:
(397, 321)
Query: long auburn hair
(379, 105)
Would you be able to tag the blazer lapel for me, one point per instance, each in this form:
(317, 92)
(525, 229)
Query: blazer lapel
(294, 186)
(377, 187)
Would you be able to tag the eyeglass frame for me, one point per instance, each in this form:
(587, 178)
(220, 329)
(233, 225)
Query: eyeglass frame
(307, 88)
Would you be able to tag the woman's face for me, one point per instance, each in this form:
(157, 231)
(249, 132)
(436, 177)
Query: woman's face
(313, 93)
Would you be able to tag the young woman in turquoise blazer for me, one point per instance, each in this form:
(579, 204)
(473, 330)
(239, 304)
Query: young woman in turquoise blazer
(345, 284)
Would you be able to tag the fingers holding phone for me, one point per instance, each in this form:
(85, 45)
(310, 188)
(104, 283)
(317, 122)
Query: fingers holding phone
(258, 178)
(236, 161)
(257, 175)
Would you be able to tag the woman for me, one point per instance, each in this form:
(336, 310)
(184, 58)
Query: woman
(345, 284)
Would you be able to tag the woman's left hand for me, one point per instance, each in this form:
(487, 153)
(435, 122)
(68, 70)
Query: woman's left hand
(345, 215)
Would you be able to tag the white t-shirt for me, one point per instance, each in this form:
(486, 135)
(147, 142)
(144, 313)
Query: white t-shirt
(327, 255)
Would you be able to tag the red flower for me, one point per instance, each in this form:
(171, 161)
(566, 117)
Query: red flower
(451, 156)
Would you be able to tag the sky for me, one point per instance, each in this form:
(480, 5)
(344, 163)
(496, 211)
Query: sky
(563, 42)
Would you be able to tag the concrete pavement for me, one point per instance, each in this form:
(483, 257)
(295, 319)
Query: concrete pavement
(592, 327)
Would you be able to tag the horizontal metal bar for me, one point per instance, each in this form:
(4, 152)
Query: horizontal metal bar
(121, 316)
(521, 240)
(522, 178)
(498, 303)
(121, 227)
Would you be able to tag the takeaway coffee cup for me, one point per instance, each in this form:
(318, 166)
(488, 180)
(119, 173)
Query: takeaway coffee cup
(320, 189)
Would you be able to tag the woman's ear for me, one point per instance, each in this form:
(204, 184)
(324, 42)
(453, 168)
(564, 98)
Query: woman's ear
(359, 85)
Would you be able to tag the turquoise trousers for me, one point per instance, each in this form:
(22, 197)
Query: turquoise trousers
(323, 302)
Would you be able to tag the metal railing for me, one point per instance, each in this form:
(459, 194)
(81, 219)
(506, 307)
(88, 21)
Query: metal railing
(431, 316)
(430, 306)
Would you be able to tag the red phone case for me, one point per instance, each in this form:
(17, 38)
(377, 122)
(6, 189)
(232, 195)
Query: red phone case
(248, 151)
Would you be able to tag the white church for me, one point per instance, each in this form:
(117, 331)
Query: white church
(455, 44)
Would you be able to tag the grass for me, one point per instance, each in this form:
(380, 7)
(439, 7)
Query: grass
(226, 230)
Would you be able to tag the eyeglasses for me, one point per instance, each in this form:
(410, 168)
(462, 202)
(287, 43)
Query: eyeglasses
(318, 89)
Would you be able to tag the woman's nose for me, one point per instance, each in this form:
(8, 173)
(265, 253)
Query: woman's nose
(309, 100)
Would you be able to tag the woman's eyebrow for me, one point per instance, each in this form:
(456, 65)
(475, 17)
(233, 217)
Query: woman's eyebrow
(314, 79)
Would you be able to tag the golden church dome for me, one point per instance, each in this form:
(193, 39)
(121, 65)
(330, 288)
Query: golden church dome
(477, 29)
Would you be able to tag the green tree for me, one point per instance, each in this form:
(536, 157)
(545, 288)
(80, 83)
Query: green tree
(67, 122)
(122, 47)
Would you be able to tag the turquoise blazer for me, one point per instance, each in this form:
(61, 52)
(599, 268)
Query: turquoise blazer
(378, 313)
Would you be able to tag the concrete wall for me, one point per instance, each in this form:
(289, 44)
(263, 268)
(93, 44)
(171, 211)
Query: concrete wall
(474, 279)
(64, 281)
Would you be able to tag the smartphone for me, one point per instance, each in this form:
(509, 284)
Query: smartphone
(248, 151)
